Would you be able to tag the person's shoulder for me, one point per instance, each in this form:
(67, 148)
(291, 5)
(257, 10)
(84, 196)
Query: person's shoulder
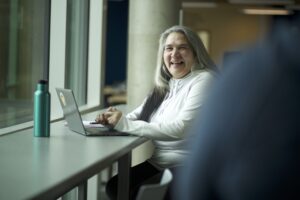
(202, 79)
(203, 74)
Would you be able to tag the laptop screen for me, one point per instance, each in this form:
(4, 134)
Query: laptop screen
(70, 109)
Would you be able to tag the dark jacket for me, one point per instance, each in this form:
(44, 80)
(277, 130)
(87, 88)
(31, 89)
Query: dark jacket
(246, 145)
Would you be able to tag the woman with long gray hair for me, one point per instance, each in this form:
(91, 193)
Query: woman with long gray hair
(183, 78)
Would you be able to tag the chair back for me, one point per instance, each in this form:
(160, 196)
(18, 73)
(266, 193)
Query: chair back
(156, 191)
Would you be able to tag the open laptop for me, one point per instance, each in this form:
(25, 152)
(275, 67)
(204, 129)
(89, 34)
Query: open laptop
(74, 120)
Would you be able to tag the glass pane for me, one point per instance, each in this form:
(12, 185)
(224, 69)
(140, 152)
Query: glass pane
(77, 48)
(23, 56)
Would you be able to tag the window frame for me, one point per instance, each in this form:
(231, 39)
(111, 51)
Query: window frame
(57, 53)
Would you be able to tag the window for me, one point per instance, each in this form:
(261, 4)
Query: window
(23, 56)
(71, 43)
(77, 48)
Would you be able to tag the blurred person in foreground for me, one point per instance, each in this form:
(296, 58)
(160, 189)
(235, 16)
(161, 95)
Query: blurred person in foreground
(246, 143)
(183, 77)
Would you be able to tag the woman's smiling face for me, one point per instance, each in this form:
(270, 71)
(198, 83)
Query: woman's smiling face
(178, 55)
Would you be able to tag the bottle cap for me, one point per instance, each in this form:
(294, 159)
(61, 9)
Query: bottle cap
(43, 81)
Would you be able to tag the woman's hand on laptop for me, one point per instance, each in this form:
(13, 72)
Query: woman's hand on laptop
(110, 117)
(101, 119)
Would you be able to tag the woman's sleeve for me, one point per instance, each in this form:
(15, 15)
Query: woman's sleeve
(134, 115)
(175, 129)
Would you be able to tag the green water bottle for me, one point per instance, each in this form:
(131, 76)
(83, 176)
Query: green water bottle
(41, 127)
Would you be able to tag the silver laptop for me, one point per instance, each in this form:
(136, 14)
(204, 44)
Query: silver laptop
(74, 120)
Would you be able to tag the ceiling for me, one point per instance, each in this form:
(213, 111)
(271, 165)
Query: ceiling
(294, 4)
